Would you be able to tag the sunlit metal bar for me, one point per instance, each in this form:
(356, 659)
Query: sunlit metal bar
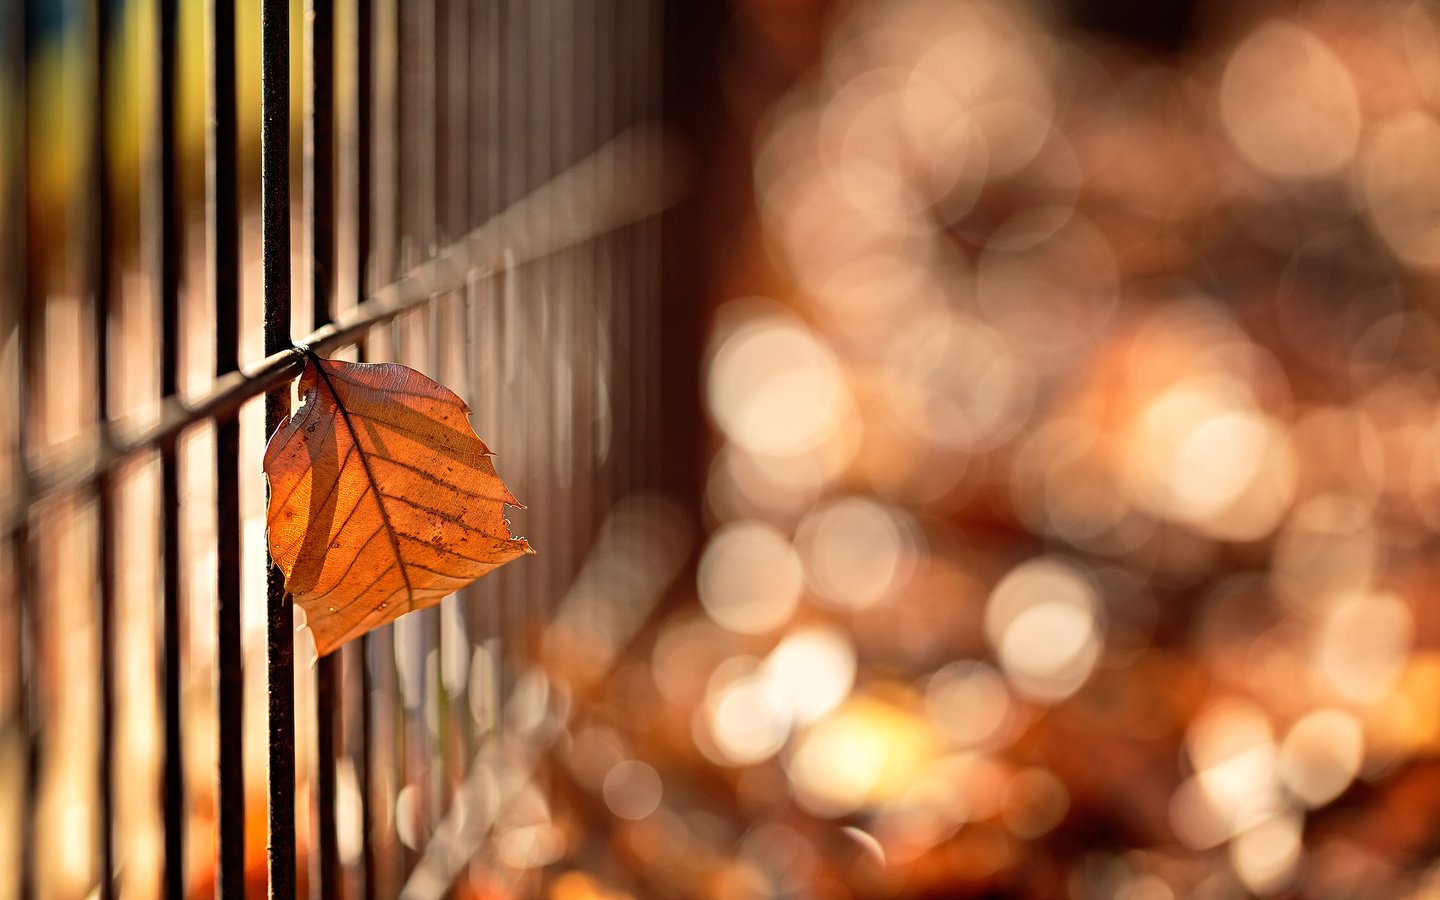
(455, 35)
(573, 298)
(541, 317)
(275, 254)
(411, 167)
(101, 253)
(595, 133)
(514, 336)
(224, 248)
(320, 211)
(650, 248)
(430, 88)
(621, 331)
(364, 156)
(166, 206)
(469, 69)
(28, 298)
(325, 877)
(495, 199)
(587, 489)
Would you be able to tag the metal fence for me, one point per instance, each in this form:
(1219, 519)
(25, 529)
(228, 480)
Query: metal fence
(476, 186)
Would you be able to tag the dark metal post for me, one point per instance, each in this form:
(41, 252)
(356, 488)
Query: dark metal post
(28, 299)
(224, 245)
(275, 231)
(320, 186)
(364, 150)
(167, 209)
(101, 253)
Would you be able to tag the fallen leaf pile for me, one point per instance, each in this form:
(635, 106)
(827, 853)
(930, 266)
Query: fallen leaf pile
(383, 500)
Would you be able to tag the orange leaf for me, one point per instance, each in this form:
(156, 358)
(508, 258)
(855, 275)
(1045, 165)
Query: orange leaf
(382, 498)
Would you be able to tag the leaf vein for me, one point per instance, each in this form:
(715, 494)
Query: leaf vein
(453, 520)
(354, 559)
(362, 620)
(384, 516)
(435, 479)
(436, 547)
(296, 485)
(455, 449)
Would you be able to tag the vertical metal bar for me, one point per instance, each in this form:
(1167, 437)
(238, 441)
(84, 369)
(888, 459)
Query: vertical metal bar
(405, 178)
(320, 187)
(365, 770)
(29, 299)
(509, 334)
(364, 157)
(455, 35)
(569, 298)
(639, 252)
(456, 135)
(541, 383)
(325, 879)
(481, 61)
(619, 319)
(495, 198)
(587, 294)
(480, 58)
(437, 87)
(411, 166)
(320, 155)
(167, 208)
(364, 144)
(101, 254)
(430, 717)
(275, 253)
(625, 101)
(650, 249)
(568, 366)
(222, 171)
(379, 712)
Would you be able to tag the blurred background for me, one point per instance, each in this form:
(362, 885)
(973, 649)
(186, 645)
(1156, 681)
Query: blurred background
(1034, 488)
(1070, 507)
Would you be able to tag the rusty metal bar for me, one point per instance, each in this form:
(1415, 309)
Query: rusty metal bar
(275, 253)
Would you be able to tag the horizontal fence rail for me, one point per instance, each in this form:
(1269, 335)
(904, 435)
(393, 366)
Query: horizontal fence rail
(469, 188)
(521, 234)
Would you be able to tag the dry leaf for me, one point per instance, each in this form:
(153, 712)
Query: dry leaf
(382, 498)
